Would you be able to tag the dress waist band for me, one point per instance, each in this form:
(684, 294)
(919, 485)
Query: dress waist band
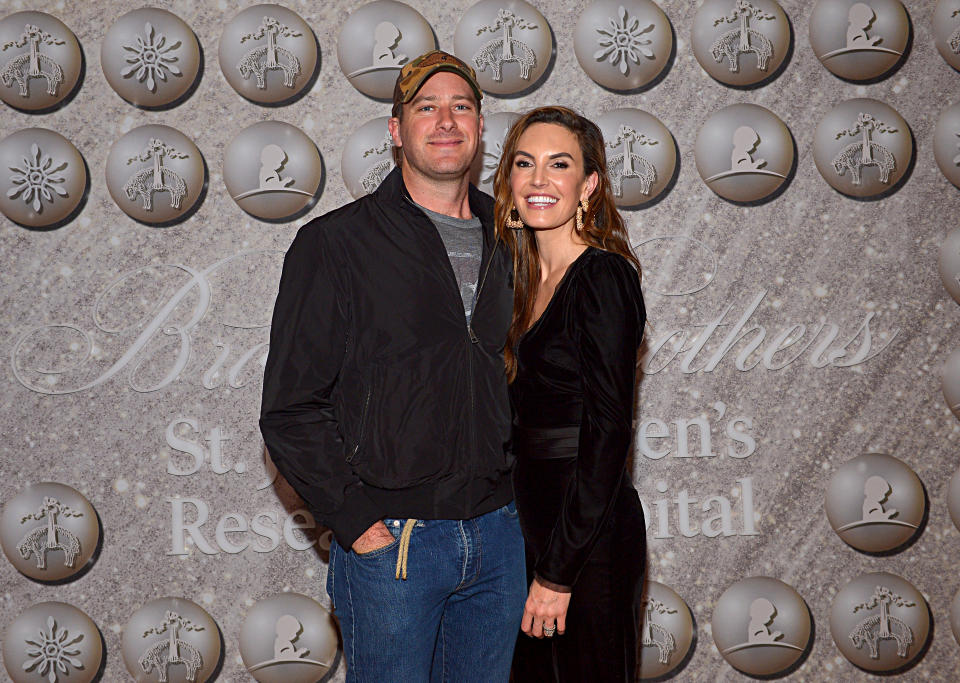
(546, 442)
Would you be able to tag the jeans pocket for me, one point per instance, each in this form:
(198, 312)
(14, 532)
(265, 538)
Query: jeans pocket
(509, 510)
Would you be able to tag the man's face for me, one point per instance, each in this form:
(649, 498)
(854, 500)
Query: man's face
(439, 133)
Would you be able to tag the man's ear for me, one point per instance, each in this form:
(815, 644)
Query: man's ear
(393, 125)
(480, 126)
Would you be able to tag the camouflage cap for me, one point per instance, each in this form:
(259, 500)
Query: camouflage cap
(415, 72)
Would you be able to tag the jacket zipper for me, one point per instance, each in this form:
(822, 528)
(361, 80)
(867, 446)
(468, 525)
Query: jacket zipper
(476, 297)
(363, 424)
(471, 335)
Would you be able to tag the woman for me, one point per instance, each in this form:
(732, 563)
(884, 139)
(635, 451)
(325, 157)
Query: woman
(571, 360)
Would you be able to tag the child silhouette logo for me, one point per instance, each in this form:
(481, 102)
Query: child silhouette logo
(288, 630)
(860, 20)
(875, 503)
(761, 626)
(288, 637)
(386, 36)
(860, 17)
(745, 142)
(875, 491)
(272, 159)
(762, 614)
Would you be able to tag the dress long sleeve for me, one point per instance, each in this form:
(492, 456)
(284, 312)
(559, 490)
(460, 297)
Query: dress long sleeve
(298, 419)
(607, 322)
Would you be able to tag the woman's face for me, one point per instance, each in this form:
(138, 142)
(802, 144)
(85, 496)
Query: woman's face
(547, 177)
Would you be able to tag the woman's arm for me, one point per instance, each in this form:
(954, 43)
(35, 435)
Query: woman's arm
(608, 323)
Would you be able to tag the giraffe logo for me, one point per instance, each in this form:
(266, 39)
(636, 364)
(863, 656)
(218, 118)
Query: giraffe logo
(743, 39)
(50, 536)
(156, 178)
(875, 628)
(33, 63)
(628, 164)
(374, 175)
(161, 655)
(270, 57)
(506, 49)
(858, 155)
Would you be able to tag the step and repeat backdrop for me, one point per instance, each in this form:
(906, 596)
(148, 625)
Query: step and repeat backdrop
(789, 172)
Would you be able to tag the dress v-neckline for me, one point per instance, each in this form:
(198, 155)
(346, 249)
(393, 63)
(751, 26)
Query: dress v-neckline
(554, 296)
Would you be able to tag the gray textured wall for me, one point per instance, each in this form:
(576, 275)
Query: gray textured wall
(816, 255)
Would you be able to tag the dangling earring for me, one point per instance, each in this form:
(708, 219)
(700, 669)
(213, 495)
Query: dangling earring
(582, 208)
(514, 223)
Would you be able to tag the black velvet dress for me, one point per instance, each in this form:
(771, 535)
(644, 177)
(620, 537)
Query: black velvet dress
(580, 515)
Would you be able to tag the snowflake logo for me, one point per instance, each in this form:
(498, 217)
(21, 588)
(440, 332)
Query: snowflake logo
(38, 178)
(52, 652)
(150, 58)
(623, 41)
(491, 161)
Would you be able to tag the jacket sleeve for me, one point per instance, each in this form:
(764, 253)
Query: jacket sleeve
(298, 417)
(607, 324)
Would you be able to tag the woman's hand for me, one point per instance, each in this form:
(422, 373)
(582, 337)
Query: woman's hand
(544, 606)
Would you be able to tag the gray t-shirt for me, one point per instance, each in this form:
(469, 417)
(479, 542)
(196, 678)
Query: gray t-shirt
(463, 238)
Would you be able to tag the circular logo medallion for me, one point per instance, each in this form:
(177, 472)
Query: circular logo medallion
(641, 155)
(949, 263)
(946, 143)
(740, 42)
(45, 177)
(744, 152)
(171, 639)
(51, 642)
(495, 129)
(953, 499)
(955, 616)
(761, 626)
(666, 632)
(862, 147)
(288, 637)
(268, 54)
(879, 621)
(376, 40)
(946, 30)
(272, 170)
(150, 57)
(623, 44)
(40, 60)
(155, 174)
(875, 502)
(49, 531)
(507, 42)
(856, 40)
(367, 157)
(950, 382)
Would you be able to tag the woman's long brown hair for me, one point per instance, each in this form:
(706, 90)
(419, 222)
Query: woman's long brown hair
(603, 227)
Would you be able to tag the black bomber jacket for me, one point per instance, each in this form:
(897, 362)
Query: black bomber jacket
(379, 400)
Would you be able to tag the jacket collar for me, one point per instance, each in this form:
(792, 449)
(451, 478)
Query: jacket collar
(393, 189)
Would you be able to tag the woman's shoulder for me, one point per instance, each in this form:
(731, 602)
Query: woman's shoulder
(601, 268)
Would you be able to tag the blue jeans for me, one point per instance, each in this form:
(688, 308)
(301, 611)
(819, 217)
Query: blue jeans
(456, 616)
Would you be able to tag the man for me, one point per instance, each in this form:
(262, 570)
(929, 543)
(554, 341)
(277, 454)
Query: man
(385, 400)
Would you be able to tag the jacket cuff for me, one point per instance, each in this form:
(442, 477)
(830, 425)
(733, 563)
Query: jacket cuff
(357, 514)
(558, 587)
